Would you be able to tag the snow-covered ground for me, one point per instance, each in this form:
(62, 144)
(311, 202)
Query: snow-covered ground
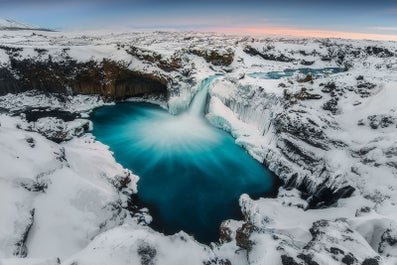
(331, 138)
(9, 24)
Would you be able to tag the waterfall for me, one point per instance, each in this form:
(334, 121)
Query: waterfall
(198, 103)
(182, 161)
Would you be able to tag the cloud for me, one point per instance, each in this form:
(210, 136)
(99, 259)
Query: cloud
(384, 28)
(308, 33)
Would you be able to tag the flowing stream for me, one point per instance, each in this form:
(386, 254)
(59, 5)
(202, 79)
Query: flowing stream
(290, 72)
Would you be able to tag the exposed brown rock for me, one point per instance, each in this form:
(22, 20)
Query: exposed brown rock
(106, 78)
(308, 78)
(214, 57)
(225, 233)
(168, 65)
(243, 236)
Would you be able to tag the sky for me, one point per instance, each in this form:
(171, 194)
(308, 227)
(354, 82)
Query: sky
(339, 18)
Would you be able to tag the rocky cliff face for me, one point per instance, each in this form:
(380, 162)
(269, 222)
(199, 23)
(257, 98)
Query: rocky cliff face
(300, 119)
(107, 78)
(331, 138)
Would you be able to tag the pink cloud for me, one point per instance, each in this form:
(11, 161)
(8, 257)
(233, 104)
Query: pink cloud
(385, 28)
(307, 33)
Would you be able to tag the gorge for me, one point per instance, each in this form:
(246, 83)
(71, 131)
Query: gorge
(79, 159)
(191, 174)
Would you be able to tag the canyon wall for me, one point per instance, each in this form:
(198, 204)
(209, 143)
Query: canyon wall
(107, 78)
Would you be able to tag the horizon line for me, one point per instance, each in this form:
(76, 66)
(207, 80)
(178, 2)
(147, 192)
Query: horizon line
(257, 31)
(293, 32)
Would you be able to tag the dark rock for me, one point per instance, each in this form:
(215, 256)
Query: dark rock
(297, 126)
(11, 51)
(367, 85)
(315, 229)
(392, 164)
(40, 51)
(217, 261)
(370, 261)
(308, 78)
(331, 105)
(386, 240)
(362, 210)
(61, 155)
(56, 137)
(168, 65)
(347, 66)
(362, 92)
(286, 260)
(214, 57)
(336, 251)
(386, 121)
(40, 185)
(60, 131)
(360, 78)
(364, 88)
(341, 55)
(361, 122)
(349, 259)
(291, 150)
(379, 52)
(304, 53)
(33, 114)
(267, 55)
(21, 250)
(308, 259)
(225, 233)
(302, 95)
(243, 236)
(121, 182)
(349, 88)
(31, 142)
(326, 196)
(106, 78)
(373, 121)
(147, 254)
(381, 120)
(326, 59)
(329, 87)
(304, 62)
(333, 239)
(391, 152)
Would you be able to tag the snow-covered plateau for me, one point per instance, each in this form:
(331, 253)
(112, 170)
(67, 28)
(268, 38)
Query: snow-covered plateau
(330, 137)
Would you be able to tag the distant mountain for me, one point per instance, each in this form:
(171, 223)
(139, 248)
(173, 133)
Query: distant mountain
(9, 24)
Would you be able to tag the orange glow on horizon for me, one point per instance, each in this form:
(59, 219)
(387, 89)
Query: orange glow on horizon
(307, 33)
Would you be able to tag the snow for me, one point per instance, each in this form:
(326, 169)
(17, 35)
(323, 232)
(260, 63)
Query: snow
(129, 244)
(20, 261)
(11, 24)
(76, 198)
(82, 216)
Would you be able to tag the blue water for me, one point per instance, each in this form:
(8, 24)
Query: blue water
(191, 174)
(291, 72)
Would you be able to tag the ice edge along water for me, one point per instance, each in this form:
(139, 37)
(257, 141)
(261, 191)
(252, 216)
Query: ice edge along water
(371, 212)
(191, 173)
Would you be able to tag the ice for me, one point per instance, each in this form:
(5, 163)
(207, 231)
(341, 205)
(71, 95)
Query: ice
(353, 153)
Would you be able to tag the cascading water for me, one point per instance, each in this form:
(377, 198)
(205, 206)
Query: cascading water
(191, 174)
(197, 106)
